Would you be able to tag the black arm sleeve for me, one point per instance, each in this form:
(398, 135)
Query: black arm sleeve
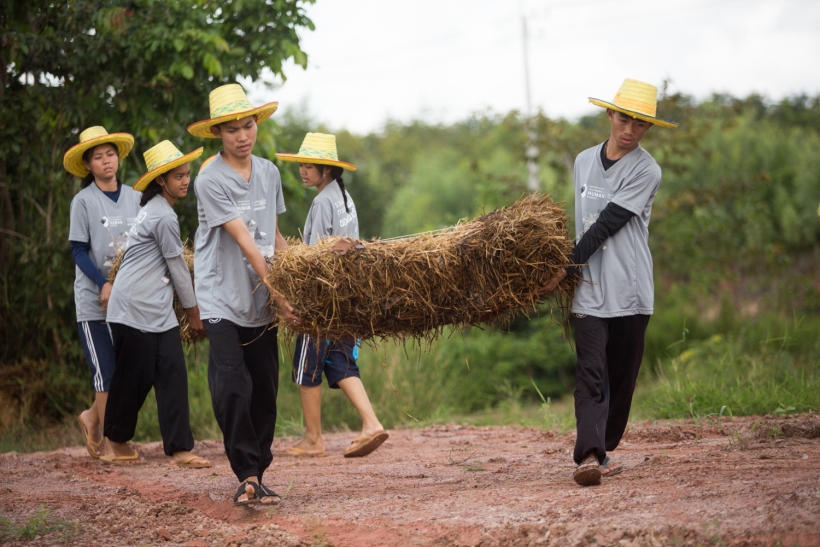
(612, 218)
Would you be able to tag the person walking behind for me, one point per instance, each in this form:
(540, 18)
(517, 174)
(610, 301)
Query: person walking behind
(101, 213)
(239, 196)
(615, 186)
(141, 314)
(332, 213)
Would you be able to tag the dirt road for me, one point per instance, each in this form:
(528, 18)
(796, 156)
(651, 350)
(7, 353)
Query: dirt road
(753, 483)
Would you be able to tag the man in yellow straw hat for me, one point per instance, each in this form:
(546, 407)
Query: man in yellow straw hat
(239, 196)
(615, 185)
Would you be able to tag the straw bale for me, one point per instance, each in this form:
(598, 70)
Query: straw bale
(486, 270)
(185, 333)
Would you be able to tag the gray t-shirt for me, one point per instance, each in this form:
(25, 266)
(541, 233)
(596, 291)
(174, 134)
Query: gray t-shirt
(95, 219)
(618, 278)
(143, 294)
(226, 285)
(327, 216)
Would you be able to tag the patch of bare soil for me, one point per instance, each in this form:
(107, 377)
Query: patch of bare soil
(752, 482)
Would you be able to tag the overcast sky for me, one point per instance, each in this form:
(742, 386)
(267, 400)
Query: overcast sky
(441, 60)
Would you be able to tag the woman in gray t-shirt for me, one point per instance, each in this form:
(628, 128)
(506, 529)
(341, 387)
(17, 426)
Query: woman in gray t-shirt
(101, 213)
(332, 213)
(145, 329)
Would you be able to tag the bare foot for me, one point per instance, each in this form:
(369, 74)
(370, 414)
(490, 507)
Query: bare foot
(371, 429)
(118, 449)
(90, 426)
(265, 495)
(311, 446)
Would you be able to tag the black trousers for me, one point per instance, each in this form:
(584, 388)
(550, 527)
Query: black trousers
(145, 360)
(609, 358)
(243, 376)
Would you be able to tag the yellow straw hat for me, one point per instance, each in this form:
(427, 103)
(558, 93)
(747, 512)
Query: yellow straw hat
(161, 159)
(229, 102)
(91, 137)
(636, 99)
(318, 148)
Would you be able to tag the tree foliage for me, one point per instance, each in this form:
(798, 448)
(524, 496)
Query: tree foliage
(141, 66)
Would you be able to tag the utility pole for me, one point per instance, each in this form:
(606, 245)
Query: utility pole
(532, 150)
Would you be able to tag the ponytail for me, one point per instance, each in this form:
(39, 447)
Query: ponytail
(336, 173)
(152, 190)
(87, 180)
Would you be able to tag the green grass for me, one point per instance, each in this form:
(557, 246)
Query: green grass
(407, 388)
(753, 371)
(767, 365)
(41, 524)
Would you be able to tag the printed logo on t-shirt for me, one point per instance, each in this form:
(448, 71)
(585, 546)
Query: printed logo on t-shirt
(243, 205)
(117, 244)
(590, 219)
(345, 218)
(260, 238)
(260, 204)
(592, 192)
(111, 222)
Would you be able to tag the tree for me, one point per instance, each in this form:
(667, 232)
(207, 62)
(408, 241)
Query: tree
(141, 66)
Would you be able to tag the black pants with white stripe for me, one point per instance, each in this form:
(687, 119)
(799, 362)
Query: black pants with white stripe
(146, 360)
(243, 376)
(609, 351)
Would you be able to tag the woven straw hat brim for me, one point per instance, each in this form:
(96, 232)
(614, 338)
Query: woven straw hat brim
(73, 158)
(146, 179)
(202, 128)
(296, 158)
(639, 115)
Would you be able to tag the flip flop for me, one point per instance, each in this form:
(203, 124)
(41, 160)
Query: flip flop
(188, 463)
(241, 490)
(299, 453)
(113, 459)
(362, 446)
(89, 442)
(588, 473)
(610, 468)
(265, 492)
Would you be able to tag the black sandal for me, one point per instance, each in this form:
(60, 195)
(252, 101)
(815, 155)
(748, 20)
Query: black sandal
(265, 492)
(241, 490)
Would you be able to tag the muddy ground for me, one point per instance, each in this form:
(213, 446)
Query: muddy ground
(755, 482)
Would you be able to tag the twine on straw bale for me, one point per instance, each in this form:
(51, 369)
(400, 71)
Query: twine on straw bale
(185, 332)
(486, 270)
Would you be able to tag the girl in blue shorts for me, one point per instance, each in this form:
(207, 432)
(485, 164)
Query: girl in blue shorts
(101, 214)
(332, 213)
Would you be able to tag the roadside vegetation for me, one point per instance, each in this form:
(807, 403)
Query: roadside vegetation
(735, 238)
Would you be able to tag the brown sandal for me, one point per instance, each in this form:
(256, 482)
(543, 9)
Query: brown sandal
(362, 446)
(588, 473)
(90, 444)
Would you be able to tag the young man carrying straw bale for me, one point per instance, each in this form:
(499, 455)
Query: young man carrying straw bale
(615, 185)
(239, 197)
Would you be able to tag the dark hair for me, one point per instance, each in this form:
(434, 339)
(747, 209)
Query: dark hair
(336, 173)
(89, 178)
(152, 190)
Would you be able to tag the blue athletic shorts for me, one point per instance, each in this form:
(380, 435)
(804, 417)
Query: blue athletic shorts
(336, 359)
(98, 347)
